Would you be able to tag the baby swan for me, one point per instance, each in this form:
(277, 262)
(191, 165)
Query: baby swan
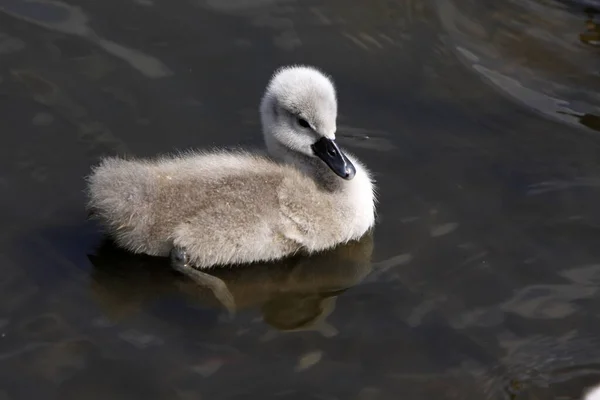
(234, 207)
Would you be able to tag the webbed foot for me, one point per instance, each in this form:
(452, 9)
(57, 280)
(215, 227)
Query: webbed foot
(181, 262)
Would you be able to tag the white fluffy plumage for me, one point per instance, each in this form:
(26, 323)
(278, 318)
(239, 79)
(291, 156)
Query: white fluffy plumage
(233, 207)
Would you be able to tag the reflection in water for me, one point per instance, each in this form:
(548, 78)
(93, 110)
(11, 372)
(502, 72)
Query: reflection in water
(532, 53)
(292, 295)
(591, 36)
(64, 18)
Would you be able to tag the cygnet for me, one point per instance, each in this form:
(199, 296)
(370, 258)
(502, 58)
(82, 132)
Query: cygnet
(235, 207)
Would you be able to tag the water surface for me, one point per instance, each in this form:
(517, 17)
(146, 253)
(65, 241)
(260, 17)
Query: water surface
(480, 122)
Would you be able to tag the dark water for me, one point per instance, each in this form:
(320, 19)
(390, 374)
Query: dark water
(480, 120)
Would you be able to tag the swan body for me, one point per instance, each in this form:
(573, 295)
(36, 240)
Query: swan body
(234, 207)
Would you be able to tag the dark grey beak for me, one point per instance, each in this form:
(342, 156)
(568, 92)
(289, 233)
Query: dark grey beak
(328, 151)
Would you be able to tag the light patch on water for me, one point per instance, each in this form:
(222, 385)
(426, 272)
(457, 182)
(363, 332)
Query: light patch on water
(394, 261)
(475, 257)
(139, 339)
(370, 39)
(322, 18)
(554, 186)
(586, 275)
(381, 267)
(147, 65)
(443, 229)
(467, 54)
(420, 311)
(356, 41)
(209, 367)
(308, 360)
(547, 301)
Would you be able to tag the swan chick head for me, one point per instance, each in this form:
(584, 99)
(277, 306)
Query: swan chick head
(299, 114)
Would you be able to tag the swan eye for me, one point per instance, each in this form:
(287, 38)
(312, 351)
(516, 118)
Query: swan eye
(303, 123)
